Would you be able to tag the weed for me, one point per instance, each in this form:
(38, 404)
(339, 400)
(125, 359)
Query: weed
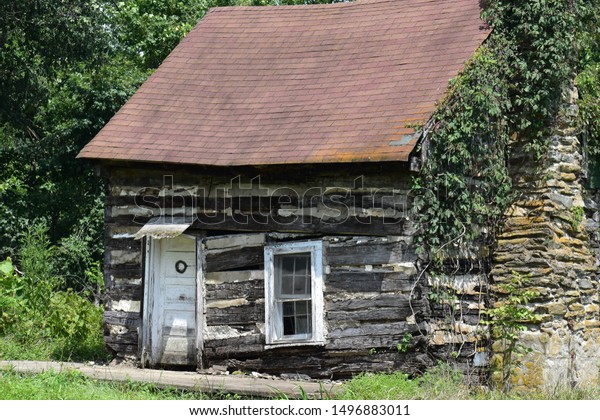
(404, 343)
(40, 318)
(508, 319)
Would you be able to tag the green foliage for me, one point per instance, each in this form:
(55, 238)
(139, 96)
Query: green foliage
(404, 344)
(577, 213)
(440, 382)
(10, 288)
(150, 29)
(509, 92)
(588, 78)
(508, 319)
(73, 385)
(34, 309)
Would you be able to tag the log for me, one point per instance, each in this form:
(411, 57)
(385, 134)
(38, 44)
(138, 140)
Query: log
(380, 314)
(367, 281)
(236, 315)
(126, 319)
(244, 257)
(370, 253)
(250, 290)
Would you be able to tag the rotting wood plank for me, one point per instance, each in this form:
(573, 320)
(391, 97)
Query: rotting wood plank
(234, 240)
(244, 340)
(222, 277)
(379, 314)
(367, 281)
(369, 253)
(236, 315)
(224, 260)
(123, 244)
(355, 225)
(266, 204)
(251, 290)
(120, 347)
(126, 319)
(233, 384)
(128, 292)
(129, 337)
(276, 223)
(390, 329)
(354, 302)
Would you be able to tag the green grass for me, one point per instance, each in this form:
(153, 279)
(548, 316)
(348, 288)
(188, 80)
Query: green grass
(444, 383)
(14, 347)
(440, 383)
(73, 385)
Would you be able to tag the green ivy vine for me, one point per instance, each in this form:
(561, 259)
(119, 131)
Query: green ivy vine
(508, 93)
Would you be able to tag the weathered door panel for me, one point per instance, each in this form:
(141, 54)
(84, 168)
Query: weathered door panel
(174, 317)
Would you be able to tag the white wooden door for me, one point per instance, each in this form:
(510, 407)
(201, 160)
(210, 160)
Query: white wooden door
(174, 317)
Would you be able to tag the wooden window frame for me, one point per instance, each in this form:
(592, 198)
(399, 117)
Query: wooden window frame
(273, 337)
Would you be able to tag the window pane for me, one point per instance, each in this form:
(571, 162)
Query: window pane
(287, 285)
(302, 325)
(302, 265)
(302, 307)
(297, 317)
(288, 309)
(299, 285)
(293, 274)
(289, 325)
(287, 265)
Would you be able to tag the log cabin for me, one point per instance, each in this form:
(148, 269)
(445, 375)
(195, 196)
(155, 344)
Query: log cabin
(258, 204)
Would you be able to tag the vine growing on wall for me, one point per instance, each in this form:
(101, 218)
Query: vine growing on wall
(508, 93)
(500, 111)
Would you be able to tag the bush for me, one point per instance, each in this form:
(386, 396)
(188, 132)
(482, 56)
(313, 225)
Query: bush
(11, 306)
(36, 306)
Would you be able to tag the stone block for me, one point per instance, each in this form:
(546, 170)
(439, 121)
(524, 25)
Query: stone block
(556, 308)
(566, 176)
(570, 167)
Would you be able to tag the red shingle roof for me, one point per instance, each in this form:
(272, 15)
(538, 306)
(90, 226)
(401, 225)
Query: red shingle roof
(296, 84)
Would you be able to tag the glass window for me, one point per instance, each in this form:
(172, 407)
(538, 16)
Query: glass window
(294, 291)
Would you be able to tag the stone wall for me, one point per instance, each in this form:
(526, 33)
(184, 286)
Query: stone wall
(551, 237)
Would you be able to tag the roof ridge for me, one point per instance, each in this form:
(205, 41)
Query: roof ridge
(354, 3)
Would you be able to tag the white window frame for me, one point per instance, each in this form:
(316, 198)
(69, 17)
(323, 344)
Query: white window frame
(273, 315)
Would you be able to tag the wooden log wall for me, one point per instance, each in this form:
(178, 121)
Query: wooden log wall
(378, 312)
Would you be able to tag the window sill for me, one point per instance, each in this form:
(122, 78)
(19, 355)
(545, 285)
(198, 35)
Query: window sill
(293, 344)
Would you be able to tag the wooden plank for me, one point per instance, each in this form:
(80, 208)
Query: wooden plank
(126, 319)
(355, 302)
(237, 258)
(370, 253)
(236, 315)
(124, 271)
(125, 244)
(264, 222)
(118, 292)
(380, 314)
(123, 349)
(367, 281)
(130, 338)
(260, 223)
(247, 344)
(240, 240)
(221, 277)
(250, 290)
(269, 204)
